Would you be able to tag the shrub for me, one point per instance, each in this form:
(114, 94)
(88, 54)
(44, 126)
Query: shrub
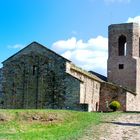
(115, 105)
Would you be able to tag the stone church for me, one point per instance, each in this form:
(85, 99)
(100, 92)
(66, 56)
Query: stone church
(37, 77)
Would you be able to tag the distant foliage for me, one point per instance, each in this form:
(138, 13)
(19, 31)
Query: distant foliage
(115, 105)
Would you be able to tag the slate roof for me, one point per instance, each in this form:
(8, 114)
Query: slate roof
(99, 76)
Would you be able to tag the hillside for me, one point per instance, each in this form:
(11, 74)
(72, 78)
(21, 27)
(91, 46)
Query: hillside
(45, 124)
(68, 125)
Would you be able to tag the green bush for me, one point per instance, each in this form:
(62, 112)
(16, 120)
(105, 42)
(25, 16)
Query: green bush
(115, 105)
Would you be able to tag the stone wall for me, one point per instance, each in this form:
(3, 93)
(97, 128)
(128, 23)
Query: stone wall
(36, 78)
(0, 80)
(89, 87)
(1, 89)
(109, 93)
(131, 32)
(131, 102)
(73, 94)
(138, 76)
(126, 76)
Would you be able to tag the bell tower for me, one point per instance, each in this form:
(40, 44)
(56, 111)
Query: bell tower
(124, 55)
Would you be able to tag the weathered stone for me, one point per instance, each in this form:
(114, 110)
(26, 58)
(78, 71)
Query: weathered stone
(37, 77)
(124, 60)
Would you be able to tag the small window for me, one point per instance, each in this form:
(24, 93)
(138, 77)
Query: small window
(34, 69)
(121, 66)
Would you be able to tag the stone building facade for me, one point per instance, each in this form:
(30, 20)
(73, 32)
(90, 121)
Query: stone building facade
(89, 86)
(1, 89)
(110, 92)
(124, 55)
(124, 59)
(37, 77)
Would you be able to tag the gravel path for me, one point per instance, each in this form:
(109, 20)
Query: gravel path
(125, 127)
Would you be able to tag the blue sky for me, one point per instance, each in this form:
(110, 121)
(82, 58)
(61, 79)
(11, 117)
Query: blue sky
(76, 29)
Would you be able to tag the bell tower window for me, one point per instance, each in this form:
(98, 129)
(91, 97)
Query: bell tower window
(122, 50)
(121, 66)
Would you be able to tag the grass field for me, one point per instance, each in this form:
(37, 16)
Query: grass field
(45, 124)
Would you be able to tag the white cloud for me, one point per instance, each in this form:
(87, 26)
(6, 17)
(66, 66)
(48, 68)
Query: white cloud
(16, 46)
(63, 45)
(134, 19)
(90, 55)
(118, 1)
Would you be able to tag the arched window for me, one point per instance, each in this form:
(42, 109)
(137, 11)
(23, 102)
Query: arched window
(122, 46)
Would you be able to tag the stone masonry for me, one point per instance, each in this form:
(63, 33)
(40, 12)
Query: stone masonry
(1, 89)
(124, 57)
(89, 86)
(127, 76)
(37, 77)
(111, 92)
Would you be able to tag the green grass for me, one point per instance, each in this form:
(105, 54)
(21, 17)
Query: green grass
(45, 124)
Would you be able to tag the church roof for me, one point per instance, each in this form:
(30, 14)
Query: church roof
(36, 43)
(86, 73)
(99, 75)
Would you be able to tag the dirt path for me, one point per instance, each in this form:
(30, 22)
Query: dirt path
(125, 127)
